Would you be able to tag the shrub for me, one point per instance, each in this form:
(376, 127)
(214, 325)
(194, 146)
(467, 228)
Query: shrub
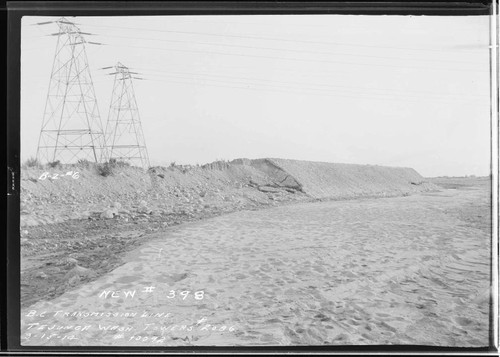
(173, 166)
(31, 162)
(54, 164)
(105, 169)
(84, 163)
(116, 163)
(122, 164)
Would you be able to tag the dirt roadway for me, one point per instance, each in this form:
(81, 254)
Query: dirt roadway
(406, 270)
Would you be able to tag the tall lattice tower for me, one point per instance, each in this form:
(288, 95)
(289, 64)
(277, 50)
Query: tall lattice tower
(124, 133)
(72, 127)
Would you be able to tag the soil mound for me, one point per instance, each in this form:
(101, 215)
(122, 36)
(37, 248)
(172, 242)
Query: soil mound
(329, 180)
(56, 195)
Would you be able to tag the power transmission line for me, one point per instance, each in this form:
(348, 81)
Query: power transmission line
(274, 39)
(342, 94)
(124, 133)
(323, 77)
(288, 50)
(304, 84)
(71, 126)
(297, 59)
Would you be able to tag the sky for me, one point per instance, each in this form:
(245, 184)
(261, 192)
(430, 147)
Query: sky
(409, 91)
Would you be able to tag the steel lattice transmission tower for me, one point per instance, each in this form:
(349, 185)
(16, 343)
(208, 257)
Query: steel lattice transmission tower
(72, 127)
(124, 133)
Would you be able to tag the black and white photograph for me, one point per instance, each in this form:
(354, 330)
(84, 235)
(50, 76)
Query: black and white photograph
(257, 180)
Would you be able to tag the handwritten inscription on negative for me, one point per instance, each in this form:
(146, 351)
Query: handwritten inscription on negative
(145, 316)
(155, 327)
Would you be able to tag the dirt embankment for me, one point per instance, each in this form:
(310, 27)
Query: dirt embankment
(129, 191)
(77, 225)
(220, 186)
(342, 181)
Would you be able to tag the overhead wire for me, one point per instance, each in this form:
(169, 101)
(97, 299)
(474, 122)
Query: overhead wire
(289, 58)
(155, 71)
(341, 95)
(293, 90)
(296, 59)
(307, 73)
(272, 38)
(306, 86)
(287, 49)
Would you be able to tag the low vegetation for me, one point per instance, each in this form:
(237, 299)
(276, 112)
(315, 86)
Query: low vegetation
(31, 162)
(54, 164)
(108, 168)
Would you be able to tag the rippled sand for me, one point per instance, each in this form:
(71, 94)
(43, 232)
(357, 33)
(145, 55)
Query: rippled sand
(401, 270)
